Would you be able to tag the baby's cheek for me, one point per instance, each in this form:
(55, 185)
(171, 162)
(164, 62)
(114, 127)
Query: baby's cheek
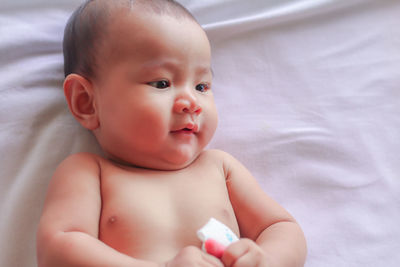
(208, 129)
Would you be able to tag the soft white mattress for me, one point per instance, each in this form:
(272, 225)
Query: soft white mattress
(308, 93)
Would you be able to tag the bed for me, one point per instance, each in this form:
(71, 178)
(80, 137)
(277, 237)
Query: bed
(308, 94)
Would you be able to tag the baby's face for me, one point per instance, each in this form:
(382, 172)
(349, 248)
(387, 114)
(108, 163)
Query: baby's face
(154, 99)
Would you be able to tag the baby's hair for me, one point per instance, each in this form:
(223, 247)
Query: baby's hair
(87, 28)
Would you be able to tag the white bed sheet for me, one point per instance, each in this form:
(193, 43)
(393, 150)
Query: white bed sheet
(308, 94)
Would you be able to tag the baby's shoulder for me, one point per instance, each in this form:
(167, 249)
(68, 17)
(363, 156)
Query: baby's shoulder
(217, 156)
(228, 162)
(79, 170)
(214, 155)
(82, 157)
(82, 161)
(217, 153)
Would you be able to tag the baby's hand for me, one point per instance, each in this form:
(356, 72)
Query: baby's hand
(244, 253)
(193, 257)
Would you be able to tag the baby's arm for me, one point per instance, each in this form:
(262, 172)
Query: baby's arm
(69, 227)
(270, 235)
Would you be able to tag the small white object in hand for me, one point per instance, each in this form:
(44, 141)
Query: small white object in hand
(218, 231)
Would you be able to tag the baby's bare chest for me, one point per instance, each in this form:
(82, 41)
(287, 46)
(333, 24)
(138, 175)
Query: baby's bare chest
(149, 213)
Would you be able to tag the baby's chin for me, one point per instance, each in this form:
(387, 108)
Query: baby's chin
(178, 164)
(175, 161)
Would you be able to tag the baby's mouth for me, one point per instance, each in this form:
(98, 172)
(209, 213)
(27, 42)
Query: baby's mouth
(183, 130)
(189, 129)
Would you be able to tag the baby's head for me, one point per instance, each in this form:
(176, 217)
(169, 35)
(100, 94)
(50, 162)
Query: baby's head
(138, 74)
(86, 31)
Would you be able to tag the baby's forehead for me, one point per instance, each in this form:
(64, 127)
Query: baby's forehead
(125, 27)
(124, 24)
(140, 13)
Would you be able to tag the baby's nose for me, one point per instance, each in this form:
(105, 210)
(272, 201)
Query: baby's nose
(187, 104)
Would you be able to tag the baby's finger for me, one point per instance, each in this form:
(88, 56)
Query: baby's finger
(213, 261)
(214, 248)
(246, 260)
(234, 252)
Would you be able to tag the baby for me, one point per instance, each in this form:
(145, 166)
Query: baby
(138, 75)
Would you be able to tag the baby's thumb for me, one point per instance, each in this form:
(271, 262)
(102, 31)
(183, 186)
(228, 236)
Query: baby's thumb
(214, 248)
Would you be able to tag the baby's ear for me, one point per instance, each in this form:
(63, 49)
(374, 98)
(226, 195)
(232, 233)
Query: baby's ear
(80, 97)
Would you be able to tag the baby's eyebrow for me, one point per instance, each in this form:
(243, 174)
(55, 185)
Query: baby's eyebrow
(160, 64)
(170, 64)
(205, 70)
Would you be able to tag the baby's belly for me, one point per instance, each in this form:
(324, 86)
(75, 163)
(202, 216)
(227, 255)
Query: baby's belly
(153, 222)
(158, 237)
(157, 241)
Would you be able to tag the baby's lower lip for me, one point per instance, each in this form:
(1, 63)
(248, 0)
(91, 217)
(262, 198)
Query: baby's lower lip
(184, 131)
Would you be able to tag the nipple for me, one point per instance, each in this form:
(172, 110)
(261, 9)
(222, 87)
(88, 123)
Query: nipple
(112, 220)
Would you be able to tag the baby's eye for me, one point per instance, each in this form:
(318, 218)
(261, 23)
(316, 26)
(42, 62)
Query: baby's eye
(160, 84)
(202, 87)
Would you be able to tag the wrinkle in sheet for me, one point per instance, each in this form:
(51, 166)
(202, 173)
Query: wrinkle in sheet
(285, 12)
